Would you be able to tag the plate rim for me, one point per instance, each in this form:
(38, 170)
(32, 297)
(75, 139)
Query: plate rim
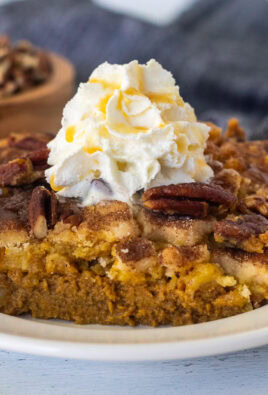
(136, 351)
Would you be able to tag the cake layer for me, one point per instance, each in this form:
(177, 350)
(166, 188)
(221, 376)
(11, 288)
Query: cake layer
(90, 298)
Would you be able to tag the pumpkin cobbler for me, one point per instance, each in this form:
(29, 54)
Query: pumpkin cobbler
(181, 252)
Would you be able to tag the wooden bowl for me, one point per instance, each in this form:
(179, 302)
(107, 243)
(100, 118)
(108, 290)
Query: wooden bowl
(40, 108)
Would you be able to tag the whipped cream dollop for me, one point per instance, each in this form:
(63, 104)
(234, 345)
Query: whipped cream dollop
(126, 129)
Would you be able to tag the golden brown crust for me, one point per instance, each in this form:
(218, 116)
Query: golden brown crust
(249, 268)
(105, 214)
(174, 230)
(242, 257)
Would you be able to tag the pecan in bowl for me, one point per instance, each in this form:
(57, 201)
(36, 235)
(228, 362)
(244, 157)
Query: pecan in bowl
(22, 66)
(35, 84)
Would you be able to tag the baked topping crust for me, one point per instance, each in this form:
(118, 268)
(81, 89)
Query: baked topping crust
(236, 196)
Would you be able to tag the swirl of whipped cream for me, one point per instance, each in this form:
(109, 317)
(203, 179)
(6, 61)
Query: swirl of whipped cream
(129, 127)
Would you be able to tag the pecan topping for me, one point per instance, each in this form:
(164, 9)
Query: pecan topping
(28, 143)
(229, 179)
(214, 164)
(257, 175)
(215, 133)
(39, 158)
(16, 172)
(257, 203)
(42, 211)
(182, 207)
(24, 160)
(234, 131)
(70, 213)
(243, 232)
(73, 219)
(191, 199)
(238, 230)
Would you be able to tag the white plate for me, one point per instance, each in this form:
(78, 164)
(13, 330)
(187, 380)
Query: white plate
(110, 343)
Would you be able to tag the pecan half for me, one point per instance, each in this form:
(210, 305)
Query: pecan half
(246, 232)
(27, 159)
(16, 172)
(28, 143)
(191, 199)
(32, 147)
(73, 219)
(39, 158)
(183, 207)
(42, 211)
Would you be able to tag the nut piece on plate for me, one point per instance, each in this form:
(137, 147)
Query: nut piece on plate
(189, 199)
(42, 211)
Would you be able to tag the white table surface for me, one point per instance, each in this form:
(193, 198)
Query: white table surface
(244, 373)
